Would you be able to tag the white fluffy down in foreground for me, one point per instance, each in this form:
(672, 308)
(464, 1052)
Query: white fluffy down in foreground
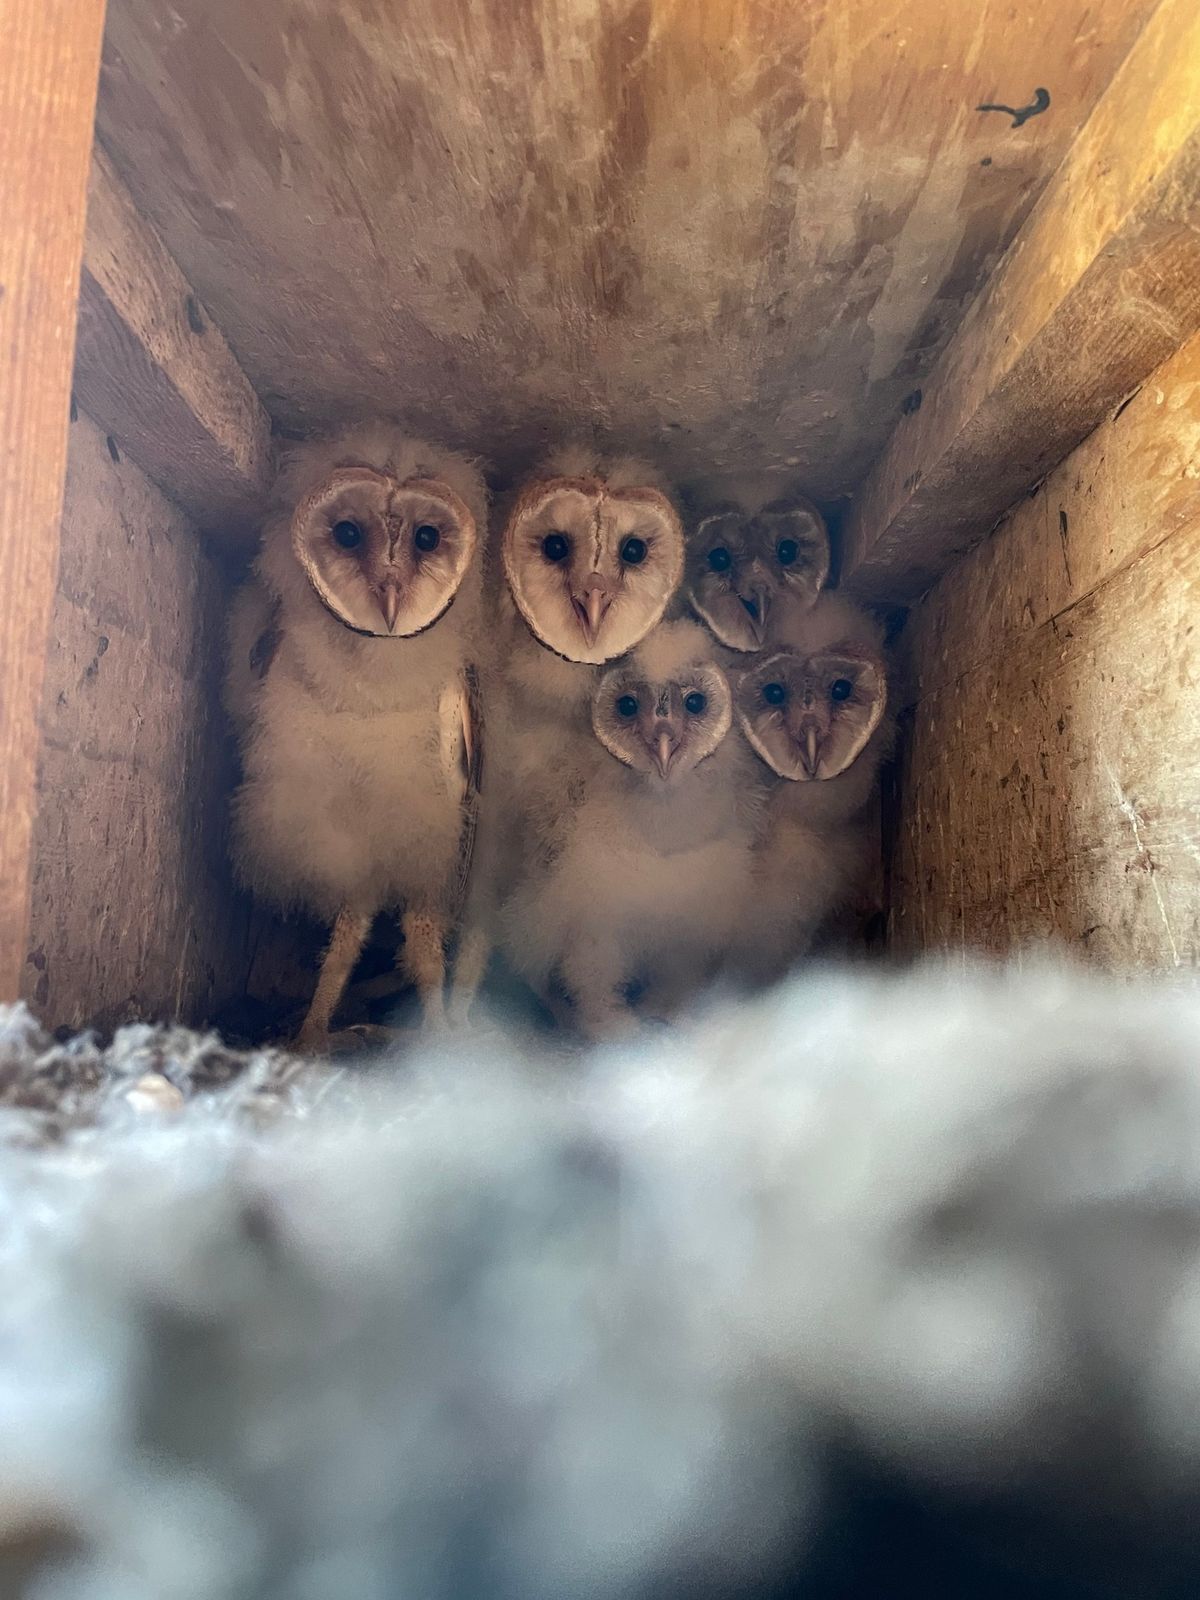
(496, 1326)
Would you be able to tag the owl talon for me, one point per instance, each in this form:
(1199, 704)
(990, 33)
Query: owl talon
(346, 1041)
(311, 1042)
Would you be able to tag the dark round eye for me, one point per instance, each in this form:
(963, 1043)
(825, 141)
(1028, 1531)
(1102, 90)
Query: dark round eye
(633, 552)
(774, 694)
(841, 689)
(347, 534)
(695, 702)
(427, 537)
(555, 547)
(719, 559)
(627, 705)
(786, 552)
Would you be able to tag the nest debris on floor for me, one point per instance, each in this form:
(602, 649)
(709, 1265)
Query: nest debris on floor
(50, 1088)
(721, 1312)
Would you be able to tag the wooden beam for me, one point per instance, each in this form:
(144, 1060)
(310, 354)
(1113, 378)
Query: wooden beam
(157, 375)
(49, 70)
(1100, 286)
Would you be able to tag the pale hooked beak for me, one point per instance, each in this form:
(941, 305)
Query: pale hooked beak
(665, 745)
(597, 597)
(390, 598)
(810, 750)
(756, 601)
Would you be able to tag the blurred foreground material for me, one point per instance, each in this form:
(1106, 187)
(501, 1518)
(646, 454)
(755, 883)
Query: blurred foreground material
(875, 1285)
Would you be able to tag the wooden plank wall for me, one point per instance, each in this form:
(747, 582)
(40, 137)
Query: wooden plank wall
(133, 909)
(134, 913)
(1050, 780)
(49, 66)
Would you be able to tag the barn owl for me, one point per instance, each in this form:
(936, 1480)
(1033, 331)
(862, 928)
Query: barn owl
(748, 553)
(816, 715)
(591, 553)
(352, 674)
(643, 882)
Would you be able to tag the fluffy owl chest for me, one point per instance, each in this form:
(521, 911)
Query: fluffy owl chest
(399, 761)
(391, 752)
(697, 891)
(644, 821)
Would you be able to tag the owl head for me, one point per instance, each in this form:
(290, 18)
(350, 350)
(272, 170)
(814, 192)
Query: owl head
(667, 708)
(810, 716)
(739, 562)
(592, 558)
(385, 554)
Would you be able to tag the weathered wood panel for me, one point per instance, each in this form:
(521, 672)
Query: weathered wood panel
(156, 374)
(1101, 286)
(1132, 484)
(133, 910)
(734, 235)
(48, 73)
(1051, 782)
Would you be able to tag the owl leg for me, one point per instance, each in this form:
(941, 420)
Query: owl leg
(424, 958)
(679, 976)
(345, 945)
(470, 964)
(593, 971)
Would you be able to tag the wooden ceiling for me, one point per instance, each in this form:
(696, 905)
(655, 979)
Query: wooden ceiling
(731, 234)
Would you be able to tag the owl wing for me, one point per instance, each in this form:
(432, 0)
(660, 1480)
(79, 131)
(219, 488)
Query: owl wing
(467, 712)
(472, 732)
(254, 637)
(262, 651)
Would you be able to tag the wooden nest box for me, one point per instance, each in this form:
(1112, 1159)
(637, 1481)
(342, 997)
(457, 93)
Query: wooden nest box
(937, 263)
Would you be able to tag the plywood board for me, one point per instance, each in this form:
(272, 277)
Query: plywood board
(734, 236)
(1050, 786)
(48, 73)
(1101, 286)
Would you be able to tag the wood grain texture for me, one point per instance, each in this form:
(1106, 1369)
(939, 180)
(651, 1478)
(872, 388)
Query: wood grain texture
(48, 74)
(1050, 786)
(134, 913)
(733, 235)
(1101, 286)
(154, 371)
